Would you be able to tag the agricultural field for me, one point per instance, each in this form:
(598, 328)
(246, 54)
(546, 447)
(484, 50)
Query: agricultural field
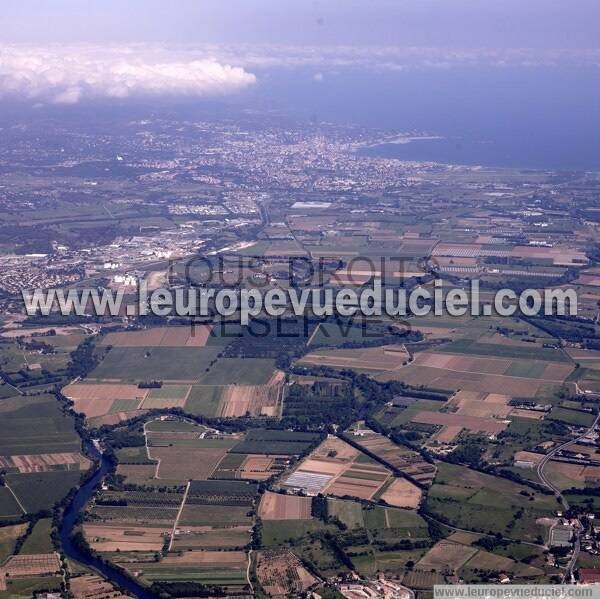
(472, 355)
(169, 364)
(368, 360)
(177, 451)
(137, 507)
(402, 412)
(276, 442)
(369, 536)
(463, 498)
(225, 569)
(567, 475)
(275, 506)
(39, 539)
(40, 454)
(187, 368)
(485, 367)
(253, 400)
(572, 417)
(181, 336)
(8, 539)
(32, 565)
(402, 493)
(88, 585)
(110, 537)
(408, 462)
(458, 555)
(337, 468)
(201, 527)
(192, 453)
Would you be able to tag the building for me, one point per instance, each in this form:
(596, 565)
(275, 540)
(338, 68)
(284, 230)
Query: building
(560, 536)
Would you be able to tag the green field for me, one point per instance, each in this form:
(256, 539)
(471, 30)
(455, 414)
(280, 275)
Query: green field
(204, 400)
(465, 498)
(404, 523)
(529, 351)
(334, 334)
(124, 405)
(526, 369)
(392, 563)
(525, 433)
(407, 414)
(321, 557)
(239, 371)
(573, 417)
(32, 426)
(174, 426)
(9, 508)
(214, 515)
(275, 442)
(156, 363)
(36, 425)
(133, 455)
(41, 490)
(224, 577)
(278, 532)
(39, 540)
(24, 588)
(169, 392)
(349, 512)
(8, 539)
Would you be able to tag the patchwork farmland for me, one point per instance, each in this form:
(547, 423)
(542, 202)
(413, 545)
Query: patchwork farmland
(175, 367)
(408, 462)
(337, 468)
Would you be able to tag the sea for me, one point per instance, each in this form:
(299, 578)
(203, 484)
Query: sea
(528, 117)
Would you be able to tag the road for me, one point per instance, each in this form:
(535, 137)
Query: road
(540, 472)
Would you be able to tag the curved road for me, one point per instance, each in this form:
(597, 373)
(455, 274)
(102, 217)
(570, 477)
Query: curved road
(540, 472)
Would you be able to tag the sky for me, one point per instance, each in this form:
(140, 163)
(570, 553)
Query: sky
(66, 51)
(440, 23)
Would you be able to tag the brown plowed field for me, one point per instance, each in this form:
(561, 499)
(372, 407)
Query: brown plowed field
(473, 423)
(402, 493)
(256, 400)
(186, 336)
(187, 463)
(42, 564)
(274, 506)
(103, 537)
(387, 357)
(44, 462)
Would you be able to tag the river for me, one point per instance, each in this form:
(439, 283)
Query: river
(68, 524)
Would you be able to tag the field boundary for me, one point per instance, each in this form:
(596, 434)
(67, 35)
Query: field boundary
(15, 496)
(187, 489)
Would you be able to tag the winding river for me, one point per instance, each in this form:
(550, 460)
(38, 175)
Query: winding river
(69, 522)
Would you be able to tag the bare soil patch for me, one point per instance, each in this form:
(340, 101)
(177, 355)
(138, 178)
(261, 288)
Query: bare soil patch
(274, 506)
(402, 493)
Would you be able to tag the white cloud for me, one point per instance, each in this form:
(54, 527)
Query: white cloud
(67, 75)
(400, 58)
